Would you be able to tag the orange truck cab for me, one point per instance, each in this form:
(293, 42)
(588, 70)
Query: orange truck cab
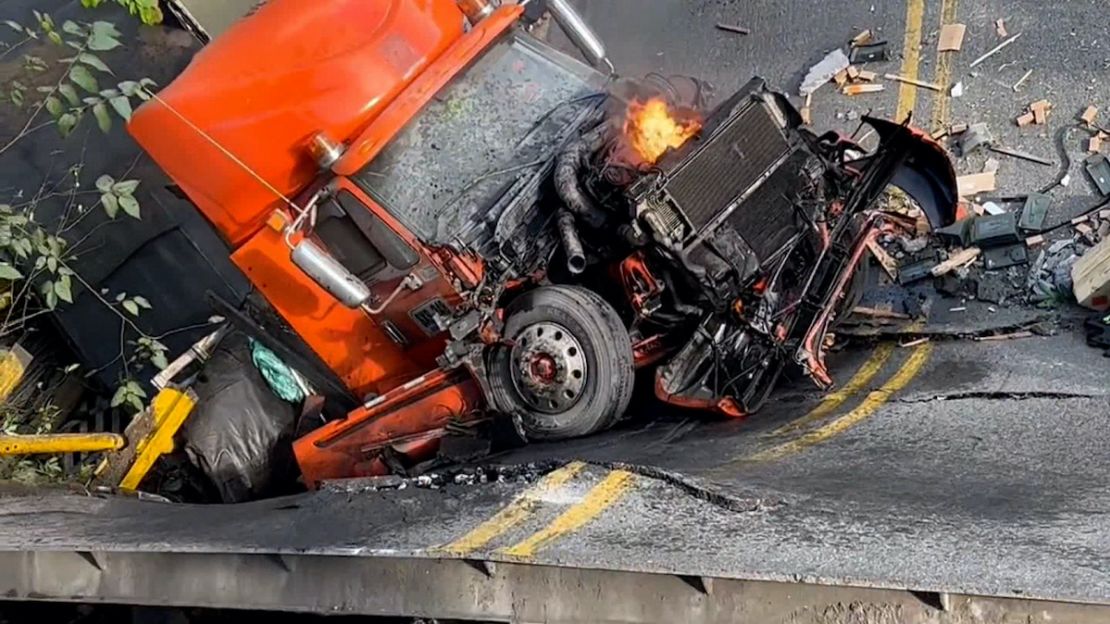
(339, 147)
(466, 225)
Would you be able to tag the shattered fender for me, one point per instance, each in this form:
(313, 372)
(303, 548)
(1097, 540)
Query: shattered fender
(918, 166)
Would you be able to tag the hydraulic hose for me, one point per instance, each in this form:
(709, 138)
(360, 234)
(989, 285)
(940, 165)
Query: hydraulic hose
(567, 165)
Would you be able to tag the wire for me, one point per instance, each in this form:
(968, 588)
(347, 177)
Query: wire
(223, 150)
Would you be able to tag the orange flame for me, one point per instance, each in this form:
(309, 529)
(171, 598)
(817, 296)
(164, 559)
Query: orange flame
(652, 128)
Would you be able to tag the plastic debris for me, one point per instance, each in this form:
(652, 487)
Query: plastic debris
(824, 71)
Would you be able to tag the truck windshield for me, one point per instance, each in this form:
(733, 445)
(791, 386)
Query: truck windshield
(459, 154)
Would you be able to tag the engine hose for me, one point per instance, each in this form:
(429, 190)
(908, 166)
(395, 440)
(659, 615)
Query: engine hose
(572, 245)
(567, 165)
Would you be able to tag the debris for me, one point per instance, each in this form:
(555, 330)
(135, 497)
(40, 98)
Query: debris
(991, 291)
(1000, 28)
(991, 166)
(867, 76)
(1040, 110)
(858, 89)
(995, 50)
(1098, 167)
(957, 90)
(852, 115)
(888, 263)
(916, 83)
(1005, 257)
(975, 183)
(1034, 212)
(913, 245)
(1091, 277)
(992, 208)
(958, 259)
(995, 230)
(1021, 81)
(951, 37)
(1025, 119)
(863, 38)
(1080, 219)
(880, 313)
(807, 112)
(959, 309)
(1034, 241)
(939, 134)
(1094, 145)
(853, 72)
(824, 71)
(869, 53)
(1089, 115)
(958, 128)
(976, 136)
(914, 343)
(841, 78)
(1013, 336)
(918, 270)
(732, 28)
(1087, 232)
(1005, 151)
(955, 234)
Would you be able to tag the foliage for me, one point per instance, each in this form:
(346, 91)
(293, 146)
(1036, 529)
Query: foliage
(66, 82)
(146, 10)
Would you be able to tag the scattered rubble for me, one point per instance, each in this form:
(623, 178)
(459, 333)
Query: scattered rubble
(917, 83)
(732, 28)
(1090, 276)
(951, 37)
(995, 50)
(824, 71)
(1021, 81)
(1000, 28)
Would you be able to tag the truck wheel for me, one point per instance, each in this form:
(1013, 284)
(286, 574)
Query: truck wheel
(566, 369)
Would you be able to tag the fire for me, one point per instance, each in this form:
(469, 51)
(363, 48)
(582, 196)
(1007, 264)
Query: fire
(653, 128)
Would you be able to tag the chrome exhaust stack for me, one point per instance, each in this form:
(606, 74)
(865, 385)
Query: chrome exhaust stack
(580, 34)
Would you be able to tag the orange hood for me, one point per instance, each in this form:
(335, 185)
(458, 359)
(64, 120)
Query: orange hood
(274, 80)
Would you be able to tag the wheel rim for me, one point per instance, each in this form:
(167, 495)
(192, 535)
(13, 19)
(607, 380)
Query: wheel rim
(548, 368)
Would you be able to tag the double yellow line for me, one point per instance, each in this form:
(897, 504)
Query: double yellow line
(599, 498)
(911, 63)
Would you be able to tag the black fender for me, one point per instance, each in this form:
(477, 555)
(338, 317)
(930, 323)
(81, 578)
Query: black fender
(912, 161)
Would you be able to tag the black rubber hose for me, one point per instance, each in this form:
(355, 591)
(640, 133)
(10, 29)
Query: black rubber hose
(569, 162)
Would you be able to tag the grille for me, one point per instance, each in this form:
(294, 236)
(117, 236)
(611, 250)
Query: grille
(720, 171)
(766, 218)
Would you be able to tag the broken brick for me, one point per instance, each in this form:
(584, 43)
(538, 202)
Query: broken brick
(951, 37)
(1094, 144)
(1089, 115)
(1025, 119)
(1033, 241)
(975, 183)
(1000, 28)
(867, 76)
(959, 128)
(853, 72)
(841, 77)
(863, 38)
(858, 89)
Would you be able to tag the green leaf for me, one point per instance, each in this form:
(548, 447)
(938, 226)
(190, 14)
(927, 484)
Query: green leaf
(120, 396)
(121, 297)
(40, 262)
(160, 361)
(111, 204)
(104, 37)
(52, 264)
(70, 94)
(9, 272)
(131, 306)
(122, 106)
(129, 87)
(51, 299)
(54, 106)
(104, 183)
(54, 37)
(135, 402)
(66, 123)
(143, 303)
(136, 390)
(80, 76)
(63, 288)
(94, 61)
(130, 205)
(126, 187)
(16, 26)
(73, 28)
(103, 119)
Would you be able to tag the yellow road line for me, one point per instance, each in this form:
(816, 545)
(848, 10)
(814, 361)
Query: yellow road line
(911, 58)
(512, 514)
(869, 406)
(597, 500)
(858, 382)
(944, 70)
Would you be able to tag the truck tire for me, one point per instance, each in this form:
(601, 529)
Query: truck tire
(566, 367)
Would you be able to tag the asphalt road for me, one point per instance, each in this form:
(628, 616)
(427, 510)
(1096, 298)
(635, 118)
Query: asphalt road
(971, 467)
